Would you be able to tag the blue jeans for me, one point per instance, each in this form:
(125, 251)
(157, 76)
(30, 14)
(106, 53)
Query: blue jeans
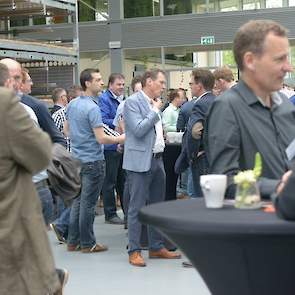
(47, 203)
(190, 187)
(83, 207)
(63, 219)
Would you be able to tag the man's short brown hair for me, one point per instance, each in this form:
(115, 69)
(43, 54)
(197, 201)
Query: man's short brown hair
(153, 74)
(205, 77)
(224, 73)
(114, 76)
(73, 91)
(135, 80)
(251, 36)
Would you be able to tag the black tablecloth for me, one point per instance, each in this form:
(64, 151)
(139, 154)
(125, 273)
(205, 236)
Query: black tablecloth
(239, 252)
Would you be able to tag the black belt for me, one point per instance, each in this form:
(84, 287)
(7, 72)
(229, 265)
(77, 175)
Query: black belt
(157, 155)
(41, 184)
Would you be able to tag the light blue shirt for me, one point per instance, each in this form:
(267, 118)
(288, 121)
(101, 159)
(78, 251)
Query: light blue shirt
(119, 113)
(83, 114)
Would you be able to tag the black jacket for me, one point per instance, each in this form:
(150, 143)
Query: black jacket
(44, 118)
(199, 113)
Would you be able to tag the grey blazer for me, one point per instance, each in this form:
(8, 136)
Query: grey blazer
(140, 133)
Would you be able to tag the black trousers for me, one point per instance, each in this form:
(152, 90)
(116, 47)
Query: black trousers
(170, 156)
(113, 161)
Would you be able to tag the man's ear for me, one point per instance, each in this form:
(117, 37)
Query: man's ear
(87, 84)
(148, 81)
(249, 60)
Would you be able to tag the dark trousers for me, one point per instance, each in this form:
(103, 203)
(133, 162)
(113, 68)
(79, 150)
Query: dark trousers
(145, 187)
(170, 156)
(120, 185)
(199, 166)
(113, 161)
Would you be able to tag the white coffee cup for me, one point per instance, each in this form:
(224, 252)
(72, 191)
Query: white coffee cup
(213, 187)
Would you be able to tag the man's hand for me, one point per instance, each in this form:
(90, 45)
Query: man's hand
(197, 130)
(157, 103)
(283, 181)
(121, 138)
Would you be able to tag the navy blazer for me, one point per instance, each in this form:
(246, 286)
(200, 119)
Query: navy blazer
(44, 118)
(184, 114)
(199, 113)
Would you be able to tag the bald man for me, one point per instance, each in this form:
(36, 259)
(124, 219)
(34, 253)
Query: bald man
(40, 109)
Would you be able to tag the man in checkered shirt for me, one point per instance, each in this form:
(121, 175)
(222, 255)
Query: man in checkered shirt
(59, 116)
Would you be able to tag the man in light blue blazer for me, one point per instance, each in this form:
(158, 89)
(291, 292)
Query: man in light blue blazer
(143, 161)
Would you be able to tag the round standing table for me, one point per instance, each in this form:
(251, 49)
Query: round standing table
(237, 252)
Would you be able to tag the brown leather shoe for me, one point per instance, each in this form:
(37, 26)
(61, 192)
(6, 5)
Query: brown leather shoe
(73, 248)
(136, 259)
(164, 253)
(95, 248)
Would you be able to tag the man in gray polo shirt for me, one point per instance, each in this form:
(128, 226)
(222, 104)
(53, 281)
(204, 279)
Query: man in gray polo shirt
(253, 116)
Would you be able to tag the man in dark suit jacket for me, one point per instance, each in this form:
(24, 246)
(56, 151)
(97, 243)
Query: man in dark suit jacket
(202, 83)
(184, 114)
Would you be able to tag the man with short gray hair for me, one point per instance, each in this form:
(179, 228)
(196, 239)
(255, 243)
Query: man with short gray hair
(60, 100)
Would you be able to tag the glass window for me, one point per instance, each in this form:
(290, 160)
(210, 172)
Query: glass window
(228, 58)
(229, 5)
(201, 6)
(177, 7)
(138, 60)
(15, 22)
(273, 3)
(135, 8)
(97, 59)
(251, 4)
(93, 10)
(39, 21)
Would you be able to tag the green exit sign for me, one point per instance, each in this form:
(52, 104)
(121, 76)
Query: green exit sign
(207, 40)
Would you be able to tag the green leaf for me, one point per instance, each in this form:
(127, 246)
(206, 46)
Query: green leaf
(258, 165)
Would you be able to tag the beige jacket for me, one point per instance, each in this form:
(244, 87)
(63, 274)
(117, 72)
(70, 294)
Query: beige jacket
(26, 262)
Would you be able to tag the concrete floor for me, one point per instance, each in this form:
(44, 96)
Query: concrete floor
(109, 273)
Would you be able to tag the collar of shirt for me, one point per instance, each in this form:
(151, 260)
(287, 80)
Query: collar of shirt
(117, 97)
(275, 98)
(251, 98)
(146, 97)
(149, 100)
(202, 95)
(173, 107)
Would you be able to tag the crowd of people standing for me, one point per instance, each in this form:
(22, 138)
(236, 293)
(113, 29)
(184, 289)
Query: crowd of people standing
(125, 149)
